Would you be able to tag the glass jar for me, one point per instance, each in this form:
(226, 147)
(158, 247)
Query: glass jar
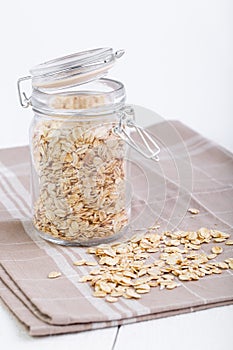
(78, 143)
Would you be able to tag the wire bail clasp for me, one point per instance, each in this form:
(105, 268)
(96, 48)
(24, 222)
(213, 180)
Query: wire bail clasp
(23, 99)
(143, 142)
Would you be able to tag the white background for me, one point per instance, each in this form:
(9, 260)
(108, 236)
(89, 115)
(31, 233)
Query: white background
(179, 63)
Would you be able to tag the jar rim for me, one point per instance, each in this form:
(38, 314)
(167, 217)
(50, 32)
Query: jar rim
(113, 92)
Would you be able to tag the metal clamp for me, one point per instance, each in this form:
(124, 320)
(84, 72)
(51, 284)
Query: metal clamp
(148, 146)
(119, 53)
(23, 99)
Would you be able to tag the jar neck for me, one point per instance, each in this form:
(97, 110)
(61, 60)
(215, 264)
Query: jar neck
(99, 97)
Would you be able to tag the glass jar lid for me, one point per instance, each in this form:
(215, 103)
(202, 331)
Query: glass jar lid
(57, 91)
(75, 69)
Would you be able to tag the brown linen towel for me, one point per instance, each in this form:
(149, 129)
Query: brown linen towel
(192, 172)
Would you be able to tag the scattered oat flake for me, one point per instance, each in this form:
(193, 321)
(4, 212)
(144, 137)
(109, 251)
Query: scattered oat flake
(192, 236)
(117, 293)
(217, 250)
(217, 271)
(79, 262)
(142, 291)
(184, 277)
(126, 296)
(193, 211)
(54, 274)
(105, 287)
(230, 242)
(223, 265)
(219, 239)
(91, 263)
(131, 293)
(91, 250)
(99, 294)
(142, 272)
(211, 256)
(129, 274)
(95, 272)
(124, 269)
(172, 285)
(143, 286)
(153, 283)
(152, 250)
(85, 278)
(111, 299)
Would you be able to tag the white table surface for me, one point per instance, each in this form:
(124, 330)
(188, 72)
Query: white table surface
(210, 329)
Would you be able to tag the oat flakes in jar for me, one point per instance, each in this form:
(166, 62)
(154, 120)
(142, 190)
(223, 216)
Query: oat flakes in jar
(78, 140)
